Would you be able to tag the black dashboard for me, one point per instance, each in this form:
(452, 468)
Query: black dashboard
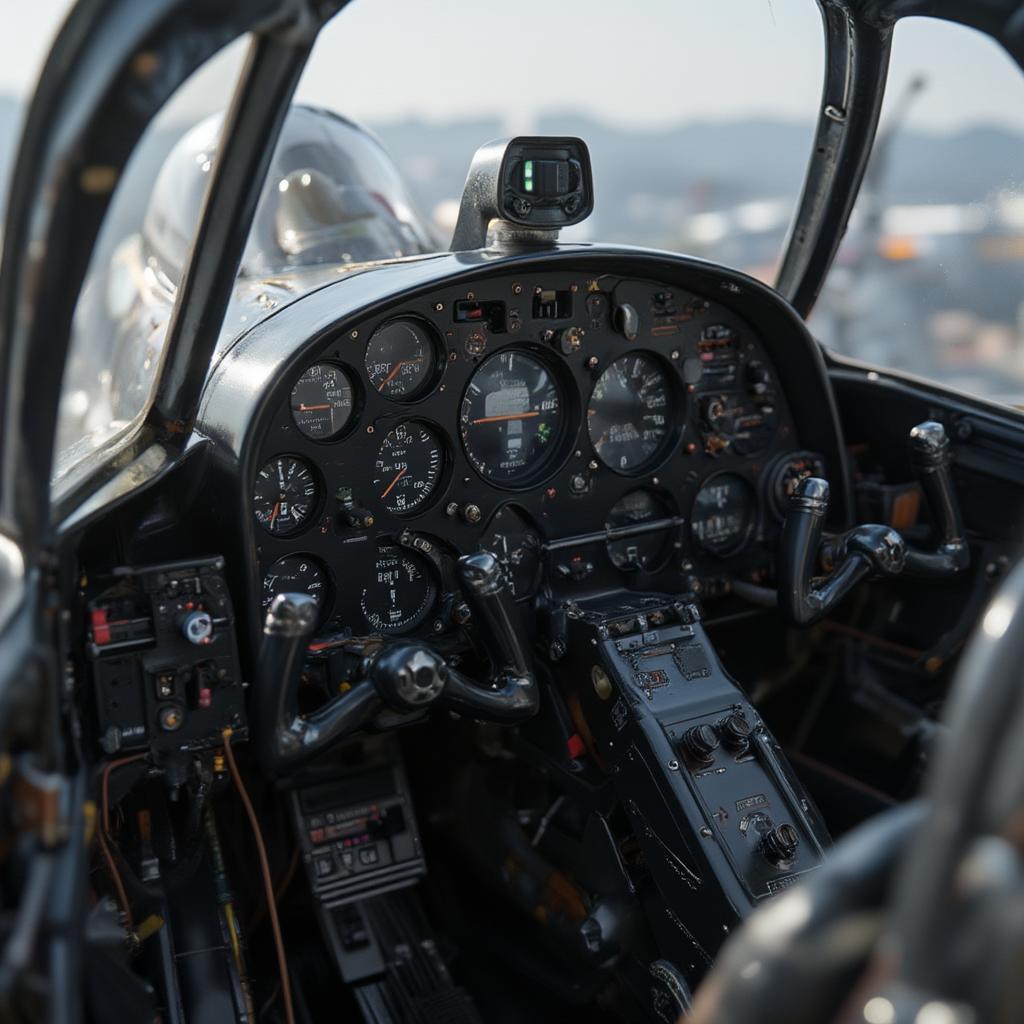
(596, 419)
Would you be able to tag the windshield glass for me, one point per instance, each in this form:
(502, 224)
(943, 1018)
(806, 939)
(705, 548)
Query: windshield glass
(930, 276)
(699, 117)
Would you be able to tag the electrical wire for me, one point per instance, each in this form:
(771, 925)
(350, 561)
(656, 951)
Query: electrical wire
(104, 840)
(268, 884)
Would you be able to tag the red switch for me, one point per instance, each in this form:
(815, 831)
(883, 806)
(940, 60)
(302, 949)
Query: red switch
(575, 746)
(205, 696)
(100, 627)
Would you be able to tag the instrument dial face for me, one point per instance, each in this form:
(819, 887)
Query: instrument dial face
(400, 593)
(400, 359)
(628, 415)
(408, 467)
(517, 546)
(296, 574)
(641, 550)
(511, 418)
(285, 495)
(321, 402)
(724, 514)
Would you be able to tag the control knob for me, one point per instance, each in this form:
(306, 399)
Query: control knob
(735, 731)
(779, 843)
(700, 742)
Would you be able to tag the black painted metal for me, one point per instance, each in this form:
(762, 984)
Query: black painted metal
(856, 61)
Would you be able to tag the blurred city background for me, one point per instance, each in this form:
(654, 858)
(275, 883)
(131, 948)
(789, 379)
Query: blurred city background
(699, 117)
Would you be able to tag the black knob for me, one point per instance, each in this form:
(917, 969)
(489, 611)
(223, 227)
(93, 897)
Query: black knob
(735, 731)
(779, 844)
(700, 742)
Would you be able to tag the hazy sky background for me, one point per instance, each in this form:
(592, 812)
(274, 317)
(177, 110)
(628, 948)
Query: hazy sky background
(646, 61)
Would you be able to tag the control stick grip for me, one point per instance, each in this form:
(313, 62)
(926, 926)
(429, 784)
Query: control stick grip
(799, 599)
(512, 693)
(283, 736)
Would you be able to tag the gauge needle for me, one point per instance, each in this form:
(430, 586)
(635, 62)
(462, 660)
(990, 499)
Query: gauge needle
(273, 515)
(507, 416)
(394, 372)
(312, 408)
(387, 491)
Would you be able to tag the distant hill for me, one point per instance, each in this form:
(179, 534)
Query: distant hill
(649, 180)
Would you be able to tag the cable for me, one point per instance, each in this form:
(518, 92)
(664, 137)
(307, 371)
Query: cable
(268, 884)
(104, 840)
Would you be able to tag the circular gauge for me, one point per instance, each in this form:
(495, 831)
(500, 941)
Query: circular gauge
(512, 539)
(785, 474)
(322, 402)
(631, 548)
(408, 466)
(296, 574)
(400, 358)
(285, 495)
(723, 514)
(628, 415)
(400, 592)
(511, 418)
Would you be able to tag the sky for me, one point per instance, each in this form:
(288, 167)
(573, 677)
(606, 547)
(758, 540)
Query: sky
(645, 62)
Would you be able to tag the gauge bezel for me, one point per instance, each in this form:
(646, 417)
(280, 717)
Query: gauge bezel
(752, 525)
(326, 609)
(676, 427)
(569, 418)
(437, 364)
(358, 398)
(317, 503)
(444, 475)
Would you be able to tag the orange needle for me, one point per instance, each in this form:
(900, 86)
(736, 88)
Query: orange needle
(394, 370)
(401, 473)
(507, 416)
(273, 515)
(312, 408)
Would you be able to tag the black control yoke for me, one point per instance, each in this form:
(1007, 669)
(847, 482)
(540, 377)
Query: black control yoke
(869, 550)
(404, 676)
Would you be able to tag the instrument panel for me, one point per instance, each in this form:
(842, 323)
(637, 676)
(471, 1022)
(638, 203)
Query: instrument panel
(593, 431)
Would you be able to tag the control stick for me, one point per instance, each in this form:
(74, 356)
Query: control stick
(871, 549)
(406, 676)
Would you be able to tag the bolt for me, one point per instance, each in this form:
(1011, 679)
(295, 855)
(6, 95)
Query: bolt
(591, 363)
(438, 306)
(557, 650)
(461, 613)
(675, 353)
(438, 626)
(354, 335)
(592, 464)
(673, 766)
(517, 289)
(472, 514)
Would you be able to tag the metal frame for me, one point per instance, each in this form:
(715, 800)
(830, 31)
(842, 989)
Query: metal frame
(858, 40)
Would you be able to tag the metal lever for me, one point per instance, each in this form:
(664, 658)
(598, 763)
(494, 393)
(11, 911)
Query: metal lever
(283, 736)
(511, 694)
(930, 456)
(871, 549)
(406, 677)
